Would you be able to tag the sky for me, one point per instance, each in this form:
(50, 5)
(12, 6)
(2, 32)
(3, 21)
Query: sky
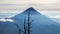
(51, 8)
(22, 4)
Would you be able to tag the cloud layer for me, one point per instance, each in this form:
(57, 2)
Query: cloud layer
(6, 20)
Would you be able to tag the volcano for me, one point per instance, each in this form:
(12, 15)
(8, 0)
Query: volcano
(41, 24)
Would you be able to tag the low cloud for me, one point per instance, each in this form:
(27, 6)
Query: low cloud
(56, 17)
(6, 20)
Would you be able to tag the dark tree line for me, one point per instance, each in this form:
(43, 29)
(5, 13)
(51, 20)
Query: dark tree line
(27, 25)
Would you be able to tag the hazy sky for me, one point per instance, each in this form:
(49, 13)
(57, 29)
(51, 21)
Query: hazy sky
(49, 7)
(22, 4)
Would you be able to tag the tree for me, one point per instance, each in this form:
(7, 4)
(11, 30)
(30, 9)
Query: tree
(29, 23)
(20, 30)
(25, 27)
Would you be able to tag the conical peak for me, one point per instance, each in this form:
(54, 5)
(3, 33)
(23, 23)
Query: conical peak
(31, 10)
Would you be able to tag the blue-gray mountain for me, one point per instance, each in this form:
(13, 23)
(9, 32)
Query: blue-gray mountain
(41, 24)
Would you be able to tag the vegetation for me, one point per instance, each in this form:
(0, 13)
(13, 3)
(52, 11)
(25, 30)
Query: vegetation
(27, 25)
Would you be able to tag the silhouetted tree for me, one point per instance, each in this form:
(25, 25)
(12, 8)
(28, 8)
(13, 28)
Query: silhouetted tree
(25, 27)
(20, 30)
(29, 23)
